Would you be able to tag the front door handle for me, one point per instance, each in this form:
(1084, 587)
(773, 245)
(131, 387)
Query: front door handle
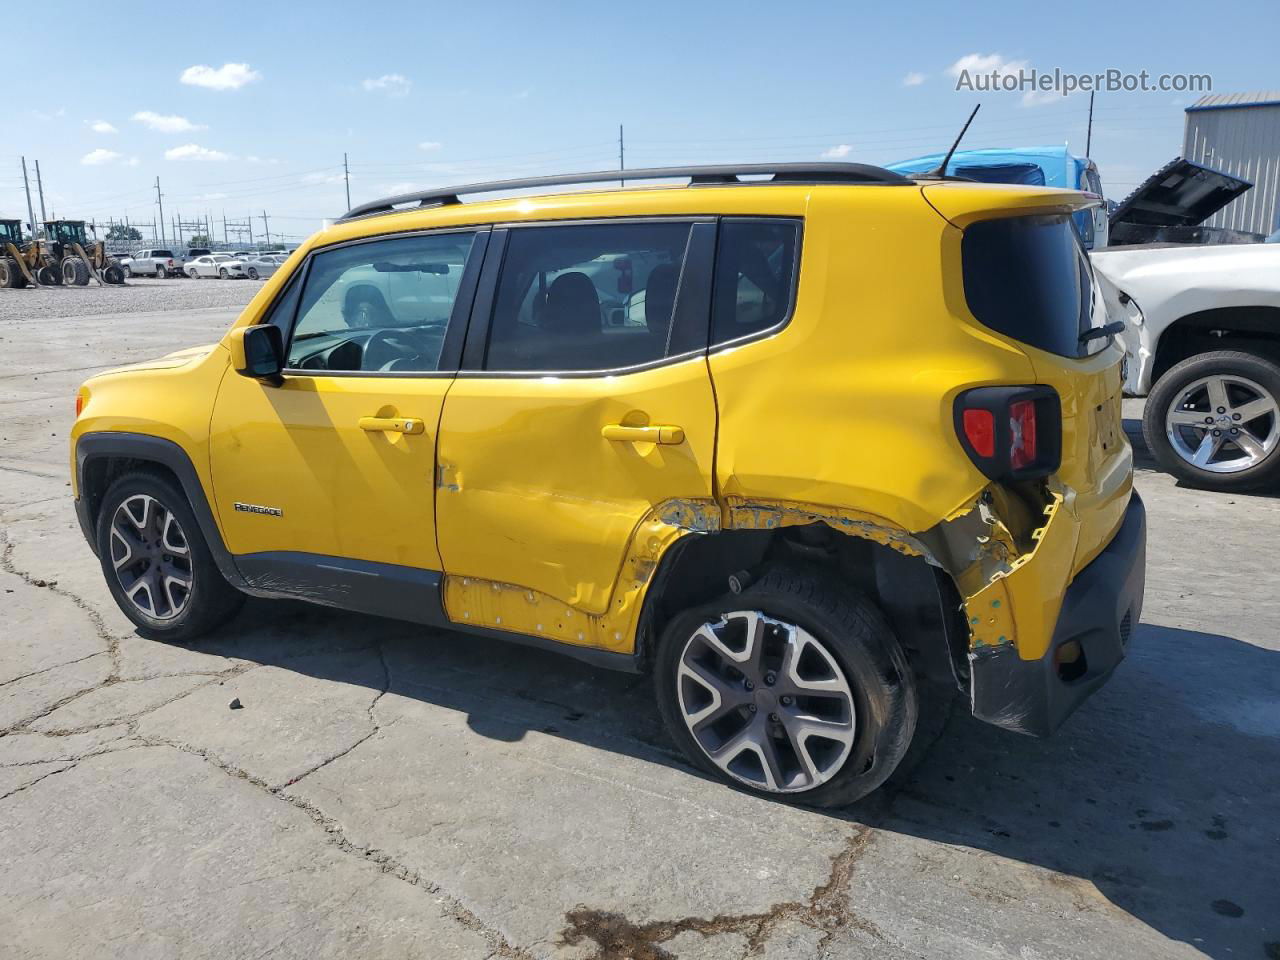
(620, 432)
(391, 425)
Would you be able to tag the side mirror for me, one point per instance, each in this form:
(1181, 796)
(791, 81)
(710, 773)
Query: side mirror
(258, 352)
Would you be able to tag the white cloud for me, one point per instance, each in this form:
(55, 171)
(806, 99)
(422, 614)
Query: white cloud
(229, 76)
(253, 159)
(191, 151)
(166, 122)
(913, 79)
(430, 146)
(392, 84)
(985, 63)
(101, 126)
(132, 162)
(1038, 98)
(989, 63)
(96, 158)
(837, 152)
(314, 178)
(404, 186)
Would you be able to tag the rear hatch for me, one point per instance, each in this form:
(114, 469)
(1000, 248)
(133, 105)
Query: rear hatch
(1027, 278)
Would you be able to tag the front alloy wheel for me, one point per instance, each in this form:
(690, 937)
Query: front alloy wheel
(1213, 421)
(151, 557)
(1223, 423)
(766, 702)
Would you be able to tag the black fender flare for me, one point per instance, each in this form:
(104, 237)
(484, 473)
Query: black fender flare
(139, 446)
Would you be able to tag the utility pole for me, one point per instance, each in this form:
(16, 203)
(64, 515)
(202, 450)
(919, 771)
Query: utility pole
(621, 155)
(159, 200)
(30, 209)
(1088, 139)
(346, 175)
(267, 229)
(40, 190)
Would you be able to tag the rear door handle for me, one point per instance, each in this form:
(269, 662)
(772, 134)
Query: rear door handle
(391, 425)
(617, 431)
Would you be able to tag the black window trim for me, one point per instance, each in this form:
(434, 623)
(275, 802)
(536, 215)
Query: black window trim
(775, 329)
(473, 357)
(459, 317)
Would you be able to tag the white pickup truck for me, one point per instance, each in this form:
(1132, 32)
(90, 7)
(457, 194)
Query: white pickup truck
(1202, 327)
(152, 263)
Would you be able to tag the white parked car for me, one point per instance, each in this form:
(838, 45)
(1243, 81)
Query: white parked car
(1202, 328)
(261, 266)
(216, 265)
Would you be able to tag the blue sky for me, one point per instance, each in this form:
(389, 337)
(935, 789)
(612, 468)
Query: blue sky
(249, 107)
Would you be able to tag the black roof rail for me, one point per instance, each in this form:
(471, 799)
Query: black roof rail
(795, 173)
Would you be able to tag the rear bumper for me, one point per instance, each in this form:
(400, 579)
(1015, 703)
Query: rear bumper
(1099, 611)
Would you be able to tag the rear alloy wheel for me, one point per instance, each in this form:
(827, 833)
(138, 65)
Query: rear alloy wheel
(193, 274)
(158, 566)
(161, 273)
(1213, 421)
(253, 273)
(222, 274)
(794, 689)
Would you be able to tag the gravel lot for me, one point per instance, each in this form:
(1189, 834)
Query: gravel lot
(139, 294)
(389, 791)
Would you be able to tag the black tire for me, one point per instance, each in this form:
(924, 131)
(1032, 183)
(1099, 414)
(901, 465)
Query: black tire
(1172, 390)
(856, 634)
(10, 275)
(75, 272)
(113, 273)
(161, 273)
(192, 274)
(253, 273)
(128, 272)
(49, 275)
(209, 602)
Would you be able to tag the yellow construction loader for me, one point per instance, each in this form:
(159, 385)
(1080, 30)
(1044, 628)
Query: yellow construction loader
(67, 250)
(19, 259)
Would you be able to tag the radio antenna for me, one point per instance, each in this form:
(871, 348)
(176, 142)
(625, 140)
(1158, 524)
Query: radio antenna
(941, 169)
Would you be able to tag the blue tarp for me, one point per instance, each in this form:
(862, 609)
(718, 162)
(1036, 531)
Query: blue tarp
(1057, 166)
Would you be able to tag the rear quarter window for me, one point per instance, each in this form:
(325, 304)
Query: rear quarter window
(1028, 278)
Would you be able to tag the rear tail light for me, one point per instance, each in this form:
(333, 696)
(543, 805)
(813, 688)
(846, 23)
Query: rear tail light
(980, 431)
(1011, 433)
(1022, 426)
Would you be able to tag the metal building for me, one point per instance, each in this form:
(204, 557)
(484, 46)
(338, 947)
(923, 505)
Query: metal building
(1239, 133)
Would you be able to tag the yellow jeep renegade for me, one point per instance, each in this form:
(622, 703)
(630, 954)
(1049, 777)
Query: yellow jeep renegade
(810, 443)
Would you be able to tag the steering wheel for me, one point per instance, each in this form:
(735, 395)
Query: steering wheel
(386, 348)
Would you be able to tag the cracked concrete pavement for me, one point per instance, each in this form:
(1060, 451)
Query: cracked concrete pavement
(390, 791)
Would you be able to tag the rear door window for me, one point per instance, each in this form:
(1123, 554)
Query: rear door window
(755, 276)
(1028, 278)
(587, 297)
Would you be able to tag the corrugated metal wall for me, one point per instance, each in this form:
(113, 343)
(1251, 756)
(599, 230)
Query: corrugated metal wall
(1245, 142)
